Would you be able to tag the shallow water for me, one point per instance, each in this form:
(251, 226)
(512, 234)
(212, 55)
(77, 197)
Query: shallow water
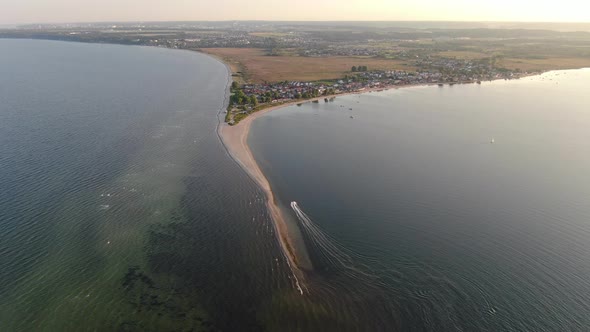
(120, 209)
(457, 208)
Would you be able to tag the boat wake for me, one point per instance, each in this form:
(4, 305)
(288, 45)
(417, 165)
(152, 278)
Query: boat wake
(342, 282)
(333, 257)
(368, 286)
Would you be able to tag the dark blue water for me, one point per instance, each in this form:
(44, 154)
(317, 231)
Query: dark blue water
(414, 217)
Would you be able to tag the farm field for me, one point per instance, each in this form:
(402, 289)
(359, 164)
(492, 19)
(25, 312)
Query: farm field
(258, 67)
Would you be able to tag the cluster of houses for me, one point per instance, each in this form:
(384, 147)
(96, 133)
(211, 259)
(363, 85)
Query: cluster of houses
(275, 92)
(339, 51)
(464, 70)
(437, 77)
(271, 93)
(213, 39)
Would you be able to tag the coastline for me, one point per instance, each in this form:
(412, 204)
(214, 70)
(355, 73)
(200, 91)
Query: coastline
(235, 140)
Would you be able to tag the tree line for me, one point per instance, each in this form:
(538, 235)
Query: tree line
(356, 69)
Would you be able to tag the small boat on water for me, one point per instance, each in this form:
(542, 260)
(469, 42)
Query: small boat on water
(352, 117)
(493, 141)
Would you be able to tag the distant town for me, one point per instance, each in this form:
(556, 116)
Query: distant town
(279, 62)
(248, 98)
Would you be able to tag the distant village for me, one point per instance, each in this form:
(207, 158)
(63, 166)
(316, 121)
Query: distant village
(443, 57)
(250, 98)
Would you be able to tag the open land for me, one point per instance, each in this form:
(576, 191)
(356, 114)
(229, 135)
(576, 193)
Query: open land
(545, 64)
(259, 67)
(311, 51)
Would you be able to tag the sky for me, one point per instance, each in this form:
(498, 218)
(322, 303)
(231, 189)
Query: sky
(63, 11)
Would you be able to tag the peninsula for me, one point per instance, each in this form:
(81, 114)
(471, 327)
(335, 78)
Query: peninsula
(235, 139)
(267, 80)
(277, 64)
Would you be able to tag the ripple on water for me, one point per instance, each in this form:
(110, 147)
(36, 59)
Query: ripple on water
(134, 187)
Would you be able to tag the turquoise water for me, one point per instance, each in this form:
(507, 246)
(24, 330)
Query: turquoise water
(461, 208)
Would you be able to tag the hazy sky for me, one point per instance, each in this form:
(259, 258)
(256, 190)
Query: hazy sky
(38, 11)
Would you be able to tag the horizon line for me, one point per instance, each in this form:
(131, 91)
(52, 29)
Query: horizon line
(296, 21)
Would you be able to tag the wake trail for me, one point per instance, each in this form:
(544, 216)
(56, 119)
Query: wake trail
(336, 255)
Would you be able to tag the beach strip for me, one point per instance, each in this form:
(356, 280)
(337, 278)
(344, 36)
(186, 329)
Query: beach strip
(235, 139)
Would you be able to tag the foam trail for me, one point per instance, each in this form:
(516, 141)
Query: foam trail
(337, 255)
(297, 285)
(341, 276)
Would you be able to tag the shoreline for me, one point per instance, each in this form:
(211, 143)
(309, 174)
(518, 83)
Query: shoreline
(235, 140)
(374, 89)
